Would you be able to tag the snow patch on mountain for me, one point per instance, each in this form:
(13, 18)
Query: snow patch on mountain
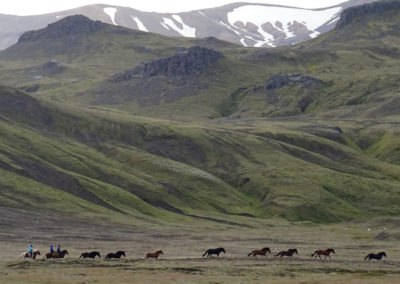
(281, 18)
(140, 24)
(110, 11)
(184, 30)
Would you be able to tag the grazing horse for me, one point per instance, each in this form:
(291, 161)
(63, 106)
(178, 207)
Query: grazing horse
(377, 256)
(92, 254)
(118, 254)
(262, 252)
(288, 253)
(26, 254)
(326, 253)
(216, 251)
(55, 254)
(154, 254)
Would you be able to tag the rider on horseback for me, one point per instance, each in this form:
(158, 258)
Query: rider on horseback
(59, 250)
(51, 249)
(30, 251)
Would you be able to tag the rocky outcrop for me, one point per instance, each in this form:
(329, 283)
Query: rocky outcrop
(350, 14)
(71, 25)
(53, 66)
(279, 81)
(192, 62)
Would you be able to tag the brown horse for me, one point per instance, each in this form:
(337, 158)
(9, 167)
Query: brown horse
(326, 253)
(154, 254)
(26, 254)
(288, 253)
(262, 252)
(55, 254)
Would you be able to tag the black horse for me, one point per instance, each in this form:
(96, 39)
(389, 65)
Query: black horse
(288, 253)
(216, 251)
(92, 254)
(118, 254)
(376, 256)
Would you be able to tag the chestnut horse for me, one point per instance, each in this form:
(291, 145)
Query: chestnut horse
(55, 254)
(154, 254)
(377, 256)
(26, 254)
(326, 253)
(288, 253)
(262, 252)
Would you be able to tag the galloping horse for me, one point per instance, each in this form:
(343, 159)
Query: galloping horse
(154, 254)
(216, 251)
(55, 254)
(262, 252)
(326, 253)
(92, 254)
(118, 254)
(377, 256)
(26, 254)
(288, 253)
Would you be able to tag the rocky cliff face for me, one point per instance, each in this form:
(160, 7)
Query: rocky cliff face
(350, 14)
(178, 65)
(279, 81)
(71, 25)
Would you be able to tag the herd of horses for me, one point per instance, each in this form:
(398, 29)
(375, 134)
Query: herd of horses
(210, 252)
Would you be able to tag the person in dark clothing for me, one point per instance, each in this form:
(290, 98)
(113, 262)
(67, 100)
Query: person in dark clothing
(59, 250)
(51, 249)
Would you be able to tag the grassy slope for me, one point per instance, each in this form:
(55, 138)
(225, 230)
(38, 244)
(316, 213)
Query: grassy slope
(338, 161)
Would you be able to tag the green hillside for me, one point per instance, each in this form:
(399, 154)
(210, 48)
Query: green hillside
(104, 122)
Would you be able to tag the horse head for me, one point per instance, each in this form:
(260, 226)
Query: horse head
(331, 250)
(120, 252)
(222, 249)
(295, 251)
(96, 253)
(383, 253)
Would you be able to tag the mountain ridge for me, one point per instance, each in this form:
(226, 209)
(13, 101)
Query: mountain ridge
(200, 23)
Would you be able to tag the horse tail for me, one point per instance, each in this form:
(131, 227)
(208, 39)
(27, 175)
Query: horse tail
(278, 254)
(145, 256)
(205, 253)
(313, 253)
(366, 257)
(250, 253)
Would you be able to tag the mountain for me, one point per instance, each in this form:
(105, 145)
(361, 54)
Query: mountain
(241, 23)
(101, 121)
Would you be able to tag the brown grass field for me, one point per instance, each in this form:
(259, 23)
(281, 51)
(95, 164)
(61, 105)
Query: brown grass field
(183, 246)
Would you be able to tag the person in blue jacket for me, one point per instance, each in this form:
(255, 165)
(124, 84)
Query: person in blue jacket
(51, 249)
(59, 250)
(30, 251)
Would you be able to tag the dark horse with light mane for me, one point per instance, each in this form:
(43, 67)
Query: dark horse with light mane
(326, 253)
(92, 254)
(154, 254)
(288, 253)
(262, 252)
(118, 254)
(377, 256)
(55, 254)
(216, 251)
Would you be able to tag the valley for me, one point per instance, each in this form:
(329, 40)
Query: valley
(114, 137)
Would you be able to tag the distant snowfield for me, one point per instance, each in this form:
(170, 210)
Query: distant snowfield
(140, 24)
(258, 14)
(185, 30)
(110, 11)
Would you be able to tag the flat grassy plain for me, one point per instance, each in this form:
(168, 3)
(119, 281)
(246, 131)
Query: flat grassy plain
(184, 244)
